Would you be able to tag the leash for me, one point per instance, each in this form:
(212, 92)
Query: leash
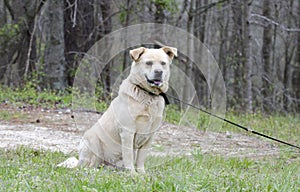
(230, 122)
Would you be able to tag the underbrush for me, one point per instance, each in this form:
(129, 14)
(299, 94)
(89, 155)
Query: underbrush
(30, 96)
(26, 169)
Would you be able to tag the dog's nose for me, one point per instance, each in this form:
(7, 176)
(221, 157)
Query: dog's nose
(158, 73)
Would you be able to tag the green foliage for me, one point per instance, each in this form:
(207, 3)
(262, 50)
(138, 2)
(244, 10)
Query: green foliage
(12, 115)
(170, 5)
(30, 95)
(9, 35)
(9, 31)
(173, 114)
(26, 169)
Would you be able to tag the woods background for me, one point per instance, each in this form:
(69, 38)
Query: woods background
(255, 42)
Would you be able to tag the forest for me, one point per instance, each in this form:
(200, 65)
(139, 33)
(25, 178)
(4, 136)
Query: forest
(256, 44)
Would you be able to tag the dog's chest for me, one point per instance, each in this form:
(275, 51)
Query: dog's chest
(148, 120)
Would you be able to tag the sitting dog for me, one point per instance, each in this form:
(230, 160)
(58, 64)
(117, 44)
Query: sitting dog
(123, 134)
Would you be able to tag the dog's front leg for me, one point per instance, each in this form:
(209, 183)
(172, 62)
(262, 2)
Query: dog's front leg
(127, 150)
(141, 155)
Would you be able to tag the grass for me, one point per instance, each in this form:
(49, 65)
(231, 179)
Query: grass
(30, 96)
(285, 127)
(7, 115)
(25, 169)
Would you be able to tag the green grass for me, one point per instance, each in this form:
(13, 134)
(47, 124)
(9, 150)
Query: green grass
(281, 126)
(30, 95)
(7, 115)
(25, 169)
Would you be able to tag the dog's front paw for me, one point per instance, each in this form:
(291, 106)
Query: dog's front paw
(141, 170)
(69, 163)
(133, 172)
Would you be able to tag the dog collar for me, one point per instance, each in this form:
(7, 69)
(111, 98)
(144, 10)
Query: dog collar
(167, 102)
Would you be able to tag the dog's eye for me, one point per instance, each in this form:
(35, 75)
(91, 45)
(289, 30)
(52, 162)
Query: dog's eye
(163, 63)
(149, 63)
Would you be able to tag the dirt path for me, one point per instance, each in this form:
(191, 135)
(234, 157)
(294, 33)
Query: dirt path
(62, 130)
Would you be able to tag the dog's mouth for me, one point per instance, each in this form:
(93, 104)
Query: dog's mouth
(154, 82)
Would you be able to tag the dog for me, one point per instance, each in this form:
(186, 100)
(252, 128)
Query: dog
(123, 134)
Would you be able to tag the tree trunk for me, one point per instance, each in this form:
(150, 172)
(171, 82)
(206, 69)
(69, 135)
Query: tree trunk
(223, 21)
(83, 30)
(55, 63)
(296, 79)
(3, 54)
(236, 55)
(126, 61)
(2, 13)
(19, 52)
(190, 51)
(288, 69)
(247, 57)
(200, 22)
(266, 58)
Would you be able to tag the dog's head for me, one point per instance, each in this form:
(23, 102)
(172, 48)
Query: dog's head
(151, 68)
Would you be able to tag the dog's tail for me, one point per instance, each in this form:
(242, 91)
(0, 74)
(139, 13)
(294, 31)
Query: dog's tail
(71, 162)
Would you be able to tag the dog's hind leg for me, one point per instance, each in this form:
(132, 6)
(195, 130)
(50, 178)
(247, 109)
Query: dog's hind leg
(90, 152)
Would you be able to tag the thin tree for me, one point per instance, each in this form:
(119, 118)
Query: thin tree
(266, 58)
(55, 64)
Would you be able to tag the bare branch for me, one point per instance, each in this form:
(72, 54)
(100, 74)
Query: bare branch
(254, 15)
(32, 33)
(205, 8)
(74, 14)
(30, 47)
(39, 8)
(10, 10)
(184, 8)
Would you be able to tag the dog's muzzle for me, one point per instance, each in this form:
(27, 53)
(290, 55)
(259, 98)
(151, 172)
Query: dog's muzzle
(155, 82)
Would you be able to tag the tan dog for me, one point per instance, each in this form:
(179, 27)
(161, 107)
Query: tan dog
(122, 136)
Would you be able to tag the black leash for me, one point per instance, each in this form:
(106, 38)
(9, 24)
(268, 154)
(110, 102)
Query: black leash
(230, 122)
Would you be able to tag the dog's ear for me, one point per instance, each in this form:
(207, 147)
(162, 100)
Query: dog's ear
(135, 54)
(170, 51)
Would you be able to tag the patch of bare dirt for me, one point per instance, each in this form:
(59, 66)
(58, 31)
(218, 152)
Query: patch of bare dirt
(62, 130)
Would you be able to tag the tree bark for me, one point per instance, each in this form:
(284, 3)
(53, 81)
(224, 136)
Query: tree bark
(200, 22)
(55, 64)
(190, 51)
(19, 52)
(266, 58)
(296, 80)
(83, 30)
(236, 55)
(247, 57)
(126, 61)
